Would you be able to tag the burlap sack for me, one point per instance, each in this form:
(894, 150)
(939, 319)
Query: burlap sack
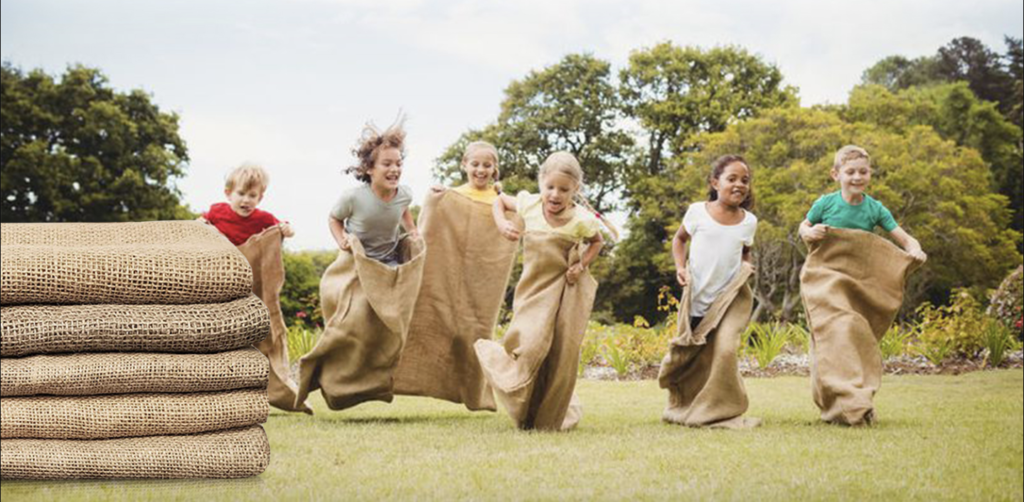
(367, 306)
(160, 262)
(49, 329)
(467, 268)
(852, 287)
(701, 371)
(263, 251)
(130, 415)
(88, 374)
(533, 371)
(235, 453)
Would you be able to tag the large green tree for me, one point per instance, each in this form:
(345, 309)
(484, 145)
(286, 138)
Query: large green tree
(674, 94)
(990, 75)
(74, 149)
(938, 191)
(573, 106)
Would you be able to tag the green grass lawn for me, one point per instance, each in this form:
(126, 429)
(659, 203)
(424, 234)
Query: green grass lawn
(940, 437)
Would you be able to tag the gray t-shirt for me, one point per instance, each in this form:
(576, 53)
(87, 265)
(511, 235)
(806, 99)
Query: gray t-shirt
(376, 223)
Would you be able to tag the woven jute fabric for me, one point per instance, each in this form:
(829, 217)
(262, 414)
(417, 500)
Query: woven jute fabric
(48, 329)
(130, 415)
(263, 251)
(467, 268)
(852, 288)
(533, 371)
(164, 262)
(367, 306)
(235, 453)
(701, 370)
(87, 374)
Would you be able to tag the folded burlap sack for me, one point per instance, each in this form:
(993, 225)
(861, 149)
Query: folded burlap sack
(161, 262)
(88, 374)
(130, 415)
(263, 251)
(467, 268)
(48, 329)
(533, 371)
(235, 453)
(852, 288)
(701, 370)
(367, 306)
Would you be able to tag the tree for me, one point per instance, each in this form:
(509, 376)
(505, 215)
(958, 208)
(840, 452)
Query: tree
(74, 149)
(967, 59)
(571, 106)
(899, 72)
(1015, 63)
(938, 191)
(678, 92)
(991, 76)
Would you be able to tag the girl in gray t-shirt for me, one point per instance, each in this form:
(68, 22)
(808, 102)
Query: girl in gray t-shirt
(375, 211)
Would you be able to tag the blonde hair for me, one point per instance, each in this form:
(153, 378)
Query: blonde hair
(566, 163)
(489, 148)
(370, 144)
(849, 153)
(247, 176)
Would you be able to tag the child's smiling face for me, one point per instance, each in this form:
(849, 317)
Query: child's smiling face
(733, 184)
(243, 202)
(387, 169)
(556, 191)
(853, 177)
(480, 168)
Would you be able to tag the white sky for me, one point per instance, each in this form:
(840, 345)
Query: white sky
(289, 84)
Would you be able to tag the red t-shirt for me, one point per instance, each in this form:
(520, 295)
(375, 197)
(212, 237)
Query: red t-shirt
(236, 228)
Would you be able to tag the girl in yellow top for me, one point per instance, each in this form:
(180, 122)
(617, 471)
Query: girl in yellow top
(555, 209)
(480, 163)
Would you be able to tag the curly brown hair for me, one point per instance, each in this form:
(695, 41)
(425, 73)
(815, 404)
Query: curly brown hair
(372, 141)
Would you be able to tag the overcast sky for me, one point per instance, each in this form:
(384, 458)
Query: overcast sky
(289, 83)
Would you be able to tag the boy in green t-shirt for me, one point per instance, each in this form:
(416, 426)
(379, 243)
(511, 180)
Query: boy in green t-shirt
(850, 207)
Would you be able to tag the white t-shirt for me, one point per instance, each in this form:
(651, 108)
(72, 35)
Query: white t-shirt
(716, 253)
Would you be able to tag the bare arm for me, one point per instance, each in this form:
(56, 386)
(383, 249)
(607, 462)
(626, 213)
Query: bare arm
(595, 244)
(507, 228)
(286, 229)
(338, 232)
(409, 225)
(908, 243)
(680, 245)
(812, 233)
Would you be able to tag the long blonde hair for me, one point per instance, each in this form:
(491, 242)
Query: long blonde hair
(566, 163)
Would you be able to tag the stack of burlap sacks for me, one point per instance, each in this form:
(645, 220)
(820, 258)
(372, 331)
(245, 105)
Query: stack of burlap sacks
(127, 352)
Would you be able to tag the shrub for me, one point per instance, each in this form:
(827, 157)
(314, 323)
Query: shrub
(301, 340)
(1007, 304)
(798, 338)
(955, 328)
(998, 341)
(896, 341)
(767, 341)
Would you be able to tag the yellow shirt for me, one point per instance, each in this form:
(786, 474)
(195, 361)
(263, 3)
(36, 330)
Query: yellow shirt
(582, 226)
(487, 196)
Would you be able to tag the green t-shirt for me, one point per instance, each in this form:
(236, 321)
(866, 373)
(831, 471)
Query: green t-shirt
(833, 211)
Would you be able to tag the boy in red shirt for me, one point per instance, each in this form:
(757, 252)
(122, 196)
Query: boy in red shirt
(238, 219)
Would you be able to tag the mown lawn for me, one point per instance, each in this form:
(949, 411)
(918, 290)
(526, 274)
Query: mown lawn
(940, 437)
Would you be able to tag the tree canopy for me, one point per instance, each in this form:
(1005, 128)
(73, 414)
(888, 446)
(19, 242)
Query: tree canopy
(74, 149)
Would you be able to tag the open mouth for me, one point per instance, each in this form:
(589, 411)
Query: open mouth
(393, 177)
